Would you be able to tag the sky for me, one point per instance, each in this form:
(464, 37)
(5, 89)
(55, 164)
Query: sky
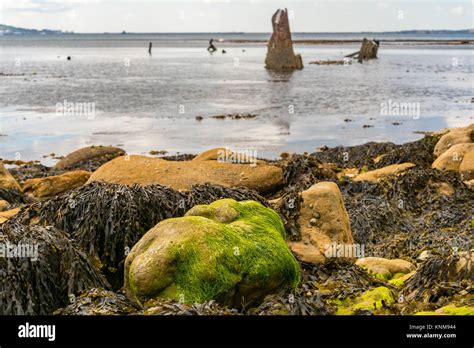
(97, 16)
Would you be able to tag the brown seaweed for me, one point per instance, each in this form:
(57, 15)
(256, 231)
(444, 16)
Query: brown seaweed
(42, 281)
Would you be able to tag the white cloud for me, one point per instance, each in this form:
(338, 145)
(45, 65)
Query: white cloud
(459, 10)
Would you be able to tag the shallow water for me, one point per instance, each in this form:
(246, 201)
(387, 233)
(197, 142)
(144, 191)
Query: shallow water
(145, 103)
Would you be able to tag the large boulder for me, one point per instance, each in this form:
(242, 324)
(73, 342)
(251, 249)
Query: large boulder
(7, 181)
(229, 251)
(323, 221)
(89, 156)
(384, 268)
(54, 185)
(280, 55)
(454, 157)
(377, 174)
(453, 137)
(182, 175)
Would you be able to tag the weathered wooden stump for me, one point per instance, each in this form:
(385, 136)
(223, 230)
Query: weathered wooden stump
(280, 54)
(367, 51)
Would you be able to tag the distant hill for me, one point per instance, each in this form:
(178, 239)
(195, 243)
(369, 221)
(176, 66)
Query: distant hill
(9, 30)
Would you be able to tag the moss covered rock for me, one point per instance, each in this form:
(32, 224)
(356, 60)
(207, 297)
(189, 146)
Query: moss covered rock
(229, 251)
(386, 269)
(450, 309)
(371, 300)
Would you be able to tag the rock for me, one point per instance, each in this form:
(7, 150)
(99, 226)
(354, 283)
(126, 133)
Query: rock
(385, 269)
(372, 300)
(182, 175)
(377, 174)
(99, 154)
(4, 205)
(226, 155)
(280, 54)
(227, 251)
(322, 204)
(466, 168)
(450, 309)
(425, 255)
(399, 279)
(451, 159)
(6, 215)
(469, 184)
(7, 181)
(463, 268)
(453, 137)
(54, 185)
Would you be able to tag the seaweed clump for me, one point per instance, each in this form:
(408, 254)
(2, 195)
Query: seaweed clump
(41, 269)
(402, 215)
(418, 152)
(98, 302)
(354, 156)
(434, 280)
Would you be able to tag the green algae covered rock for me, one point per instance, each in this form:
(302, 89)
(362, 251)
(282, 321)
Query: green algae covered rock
(229, 251)
(450, 309)
(371, 300)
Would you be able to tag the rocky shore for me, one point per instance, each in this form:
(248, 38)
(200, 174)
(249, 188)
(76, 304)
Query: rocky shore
(377, 228)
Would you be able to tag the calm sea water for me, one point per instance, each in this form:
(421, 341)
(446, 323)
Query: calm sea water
(145, 103)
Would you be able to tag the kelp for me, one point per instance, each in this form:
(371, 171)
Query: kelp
(32, 171)
(322, 286)
(106, 220)
(38, 282)
(302, 171)
(374, 155)
(354, 156)
(403, 215)
(14, 197)
(98, 302)
(433, 280)
(418, 152)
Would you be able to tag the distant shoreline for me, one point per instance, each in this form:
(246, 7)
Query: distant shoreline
(343, 41)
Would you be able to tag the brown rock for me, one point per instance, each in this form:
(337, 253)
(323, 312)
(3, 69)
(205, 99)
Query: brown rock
(4, 205)
(91, 153)
(451, 159)
(5, 215)
(7, 181)
(466, 168)
(226, 155)
(387, 268)
(54, 185)
(323, 221)
(463, 268)
(454, 136)
(182, 175)
(376, 175)
(280, 54)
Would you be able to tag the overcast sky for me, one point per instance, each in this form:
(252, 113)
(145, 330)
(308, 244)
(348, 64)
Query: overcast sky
(89, 16)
